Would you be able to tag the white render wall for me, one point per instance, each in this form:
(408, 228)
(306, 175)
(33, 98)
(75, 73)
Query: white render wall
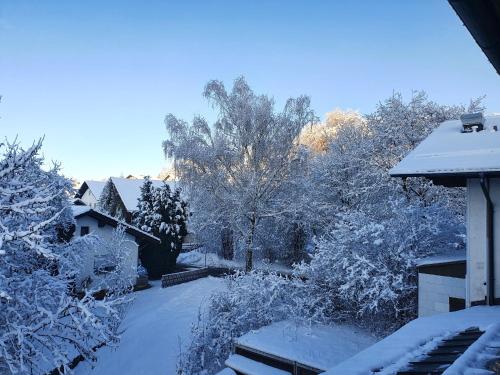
(105, 233)
(434, 292)
(476, 239)
(89, 199)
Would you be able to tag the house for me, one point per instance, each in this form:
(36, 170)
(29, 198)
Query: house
(90, 191)
(91, 221)
(124, 193)
(466, 153)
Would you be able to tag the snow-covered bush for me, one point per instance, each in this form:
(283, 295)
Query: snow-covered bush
(250, 301)
(365, 266)
(43, 323)
(112, 266)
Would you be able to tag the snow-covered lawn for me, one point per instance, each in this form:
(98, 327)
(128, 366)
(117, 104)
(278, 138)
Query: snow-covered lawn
(155, 325)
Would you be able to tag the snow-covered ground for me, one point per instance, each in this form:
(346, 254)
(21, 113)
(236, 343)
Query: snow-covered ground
(157, 323)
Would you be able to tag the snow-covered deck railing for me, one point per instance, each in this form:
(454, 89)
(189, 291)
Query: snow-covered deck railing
(300, 348)
(447, 151)
(248, 366)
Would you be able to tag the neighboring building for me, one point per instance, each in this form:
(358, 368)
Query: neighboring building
(441, 284)
(90, 221)
(123, 191)
(90, 191)
(467, 153)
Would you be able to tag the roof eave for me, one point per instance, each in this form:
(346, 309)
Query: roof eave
(113, 222)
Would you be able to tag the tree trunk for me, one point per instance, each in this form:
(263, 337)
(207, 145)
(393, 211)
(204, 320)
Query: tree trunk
(227, 243)
(249, 253)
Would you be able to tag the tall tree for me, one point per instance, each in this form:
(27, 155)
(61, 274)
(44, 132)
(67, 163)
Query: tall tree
(43, 324)
(164, 214)
(244, 159)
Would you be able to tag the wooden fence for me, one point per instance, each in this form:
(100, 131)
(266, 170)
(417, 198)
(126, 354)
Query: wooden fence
(190, 275)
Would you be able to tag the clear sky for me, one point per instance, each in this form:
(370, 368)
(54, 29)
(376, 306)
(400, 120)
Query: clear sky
(98, 77)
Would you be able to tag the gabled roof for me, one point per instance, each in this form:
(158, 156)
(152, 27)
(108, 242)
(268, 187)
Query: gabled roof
(447, 152)
(95, 187)
(79, 211)
(129, 190)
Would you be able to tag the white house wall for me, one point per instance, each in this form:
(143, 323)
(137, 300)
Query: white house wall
(434, 292)
(105, 233)
(89, 199)
(476, 239)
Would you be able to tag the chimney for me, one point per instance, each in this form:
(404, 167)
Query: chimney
(472, 122)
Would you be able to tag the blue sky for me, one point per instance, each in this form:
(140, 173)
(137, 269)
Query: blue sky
(98, 77)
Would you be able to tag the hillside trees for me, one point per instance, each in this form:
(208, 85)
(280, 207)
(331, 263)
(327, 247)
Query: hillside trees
(43, 324)
(243, 161)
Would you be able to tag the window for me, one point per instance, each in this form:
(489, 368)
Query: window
(101, 223)
(84, 231)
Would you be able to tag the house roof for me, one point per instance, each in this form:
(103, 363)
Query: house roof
(482, 19)
(446, 258)
(95, 187)
(79, 211)
(130, 190)
(447, 152)
(421, 335)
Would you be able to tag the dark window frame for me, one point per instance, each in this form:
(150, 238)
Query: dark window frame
(84, 231)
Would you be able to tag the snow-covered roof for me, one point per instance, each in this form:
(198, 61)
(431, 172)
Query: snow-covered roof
(420, 336)
(79, 211)
(129, 190)
(318, 346)
(450, 257)
(96, 187)
(448, 151)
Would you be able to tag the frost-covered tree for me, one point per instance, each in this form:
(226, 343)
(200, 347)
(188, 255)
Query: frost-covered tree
(110, 201)
(164, 214)
(365, 264)
(43, 324)
(143, 218)
(242, 161)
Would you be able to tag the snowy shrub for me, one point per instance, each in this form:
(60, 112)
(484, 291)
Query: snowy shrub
(365, 266)
(43, 324)
(113, 270)
(250, 301)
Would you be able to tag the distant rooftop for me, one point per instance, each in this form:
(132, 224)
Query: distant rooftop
(447, 151)
(129, 190)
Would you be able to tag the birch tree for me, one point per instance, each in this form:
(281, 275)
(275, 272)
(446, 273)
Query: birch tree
(243, 160)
